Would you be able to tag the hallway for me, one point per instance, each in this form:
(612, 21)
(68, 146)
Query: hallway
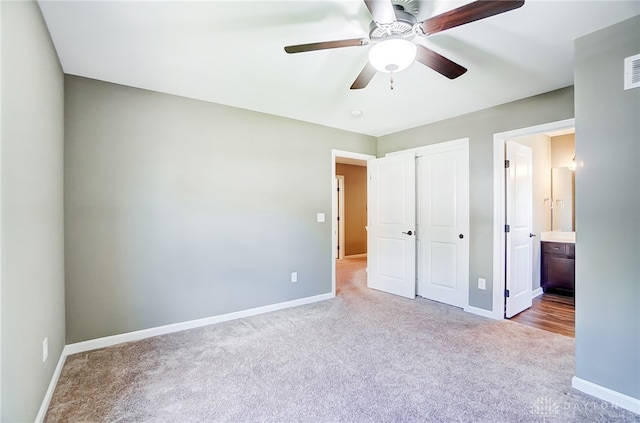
(351, 274)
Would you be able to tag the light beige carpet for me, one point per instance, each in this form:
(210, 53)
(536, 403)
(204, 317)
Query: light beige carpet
(365, 356)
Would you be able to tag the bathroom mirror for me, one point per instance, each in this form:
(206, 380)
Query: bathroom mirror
(562, 199)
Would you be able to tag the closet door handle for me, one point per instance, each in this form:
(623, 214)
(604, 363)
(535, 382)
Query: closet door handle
(408, 233)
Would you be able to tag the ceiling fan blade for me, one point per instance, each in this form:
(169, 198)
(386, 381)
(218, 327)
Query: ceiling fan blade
(365, 76)
(468, 13)
(439, 63)
(324, 45)
(382, 11)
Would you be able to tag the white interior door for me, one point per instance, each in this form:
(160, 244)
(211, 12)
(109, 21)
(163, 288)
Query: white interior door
(391, 239)
(519, 244)
(443, 223)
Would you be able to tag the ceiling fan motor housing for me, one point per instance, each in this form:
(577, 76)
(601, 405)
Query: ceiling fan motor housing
(402, 28)
(410, 6)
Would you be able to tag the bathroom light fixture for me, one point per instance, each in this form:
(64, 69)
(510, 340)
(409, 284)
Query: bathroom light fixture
(392, 55)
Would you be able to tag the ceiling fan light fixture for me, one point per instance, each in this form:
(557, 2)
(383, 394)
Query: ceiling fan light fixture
(392, 55)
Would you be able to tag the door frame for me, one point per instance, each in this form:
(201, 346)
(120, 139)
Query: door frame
(1, 231)
(339, 210)
(499, 201)
(334, 227)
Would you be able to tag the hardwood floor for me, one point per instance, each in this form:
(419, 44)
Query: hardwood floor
(550, 312)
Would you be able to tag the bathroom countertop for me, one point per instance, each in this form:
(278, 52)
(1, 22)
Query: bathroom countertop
(557, 236)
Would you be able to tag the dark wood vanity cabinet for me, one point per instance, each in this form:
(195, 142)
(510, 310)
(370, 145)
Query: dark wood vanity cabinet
(558, 267)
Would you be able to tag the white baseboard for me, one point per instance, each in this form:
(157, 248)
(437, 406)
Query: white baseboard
(108, 341)
(482, 312)
(493, 315)
(52, 386)
(616, 398)
(352, 256)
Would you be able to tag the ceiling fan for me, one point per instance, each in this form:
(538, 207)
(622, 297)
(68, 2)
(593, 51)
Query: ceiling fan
(393, 28)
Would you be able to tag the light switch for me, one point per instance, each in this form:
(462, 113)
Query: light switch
(482, 283)
(320, 217)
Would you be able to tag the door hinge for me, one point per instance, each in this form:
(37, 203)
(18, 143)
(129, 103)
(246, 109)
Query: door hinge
(506, 293)
(507, 163)
(507, 228)
(338, 218)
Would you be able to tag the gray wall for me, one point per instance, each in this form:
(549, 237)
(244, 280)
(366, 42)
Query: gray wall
(177, 209)
(32, 222)
(480, 127)
(607, 210)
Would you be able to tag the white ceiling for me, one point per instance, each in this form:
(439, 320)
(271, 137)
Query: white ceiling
(231, 52)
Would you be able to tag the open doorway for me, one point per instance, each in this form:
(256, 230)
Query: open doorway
(349, 220)
(551, 304)
(352, 210)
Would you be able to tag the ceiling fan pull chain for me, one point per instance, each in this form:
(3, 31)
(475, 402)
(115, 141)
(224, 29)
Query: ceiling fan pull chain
(391, 80)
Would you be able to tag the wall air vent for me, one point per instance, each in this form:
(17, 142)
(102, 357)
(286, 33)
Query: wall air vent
(632, 72)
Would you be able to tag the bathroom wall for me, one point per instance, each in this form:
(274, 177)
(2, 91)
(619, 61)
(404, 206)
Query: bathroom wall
(563, 150)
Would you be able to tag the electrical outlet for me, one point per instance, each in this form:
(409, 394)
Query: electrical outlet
(294, 277)
(45, 349)
(482, 283)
